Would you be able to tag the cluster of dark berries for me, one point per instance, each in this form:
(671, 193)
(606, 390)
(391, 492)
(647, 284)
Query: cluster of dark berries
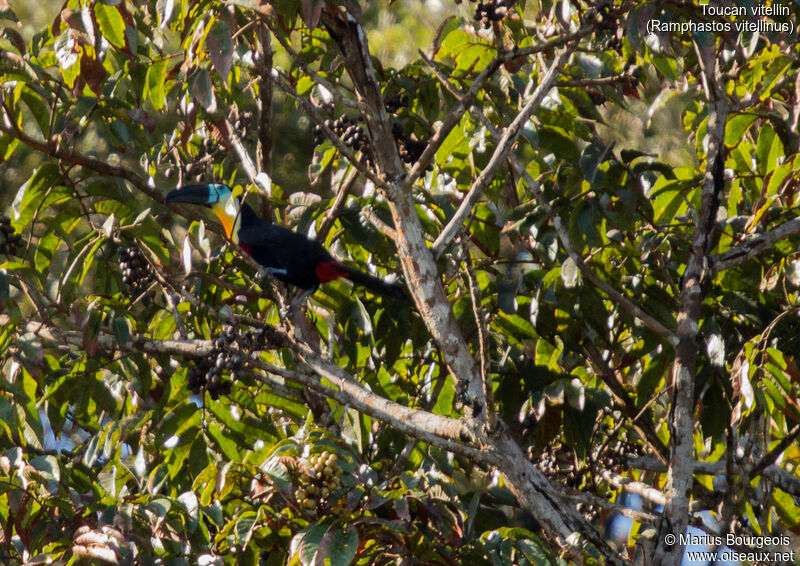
(557, 462)
(491, 11)
(395, 103)
(9, 242)
(590, 512)
(317, 483)
(409, 149)
(242, 124)
(615, 453)
(206, 374)
(348, 129)
(196, 168)
(136, 272)
(611, 452)
(604, 16)
(231, 349)
(633, 71)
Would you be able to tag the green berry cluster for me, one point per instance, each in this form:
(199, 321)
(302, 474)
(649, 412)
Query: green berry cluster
(318, 482)
(9, 242)
(136, 272)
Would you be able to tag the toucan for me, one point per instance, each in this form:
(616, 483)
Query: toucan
(284, 254)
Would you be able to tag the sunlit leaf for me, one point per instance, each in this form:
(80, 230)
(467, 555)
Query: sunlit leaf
(111, 24)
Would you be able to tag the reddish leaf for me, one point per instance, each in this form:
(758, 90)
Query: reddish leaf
(220, 49)
(219, 131)
(189, 126)
(312, 9)
(92, 72)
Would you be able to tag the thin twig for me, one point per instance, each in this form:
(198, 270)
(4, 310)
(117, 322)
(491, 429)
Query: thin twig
(338, 203)
(369, 213)
(259, 179)
(54, 150)
(751, 248)
(483, 345)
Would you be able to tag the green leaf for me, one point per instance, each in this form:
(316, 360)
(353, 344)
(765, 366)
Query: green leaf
(590, 162)
(220, 49)
(224, 443)
(787, 508)
(534, 552)
(507, 296)
(343, 547)
(68, 56)
(667, 66)
(306, 543)
(737, 127)
(111, 24)
(156, 76)
(203, 91)
(160, 506)
(35, 195)
(122, 332)
(5, 289)
(245, 526)
(6, 13)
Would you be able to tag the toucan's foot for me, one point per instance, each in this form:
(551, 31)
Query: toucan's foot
(270, 272)
(287, 310)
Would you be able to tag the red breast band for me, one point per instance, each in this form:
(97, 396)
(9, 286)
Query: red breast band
(328, 271)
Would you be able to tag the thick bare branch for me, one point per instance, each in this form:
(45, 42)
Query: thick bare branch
(421, 273)
(754, 246)
(446, 433)
(773, 473)
(695, 287)
(639, 488)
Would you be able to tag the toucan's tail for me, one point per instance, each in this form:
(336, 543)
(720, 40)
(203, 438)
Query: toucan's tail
(374, 284)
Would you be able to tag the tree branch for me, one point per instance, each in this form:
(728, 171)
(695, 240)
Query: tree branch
(56, 151)
(446, 433)
(323, 82)
(466, 101)
(563, 234)
(260, 179)
(499, 156)
(754, 246)
(421, 273)
(265, 129)
(696, 281)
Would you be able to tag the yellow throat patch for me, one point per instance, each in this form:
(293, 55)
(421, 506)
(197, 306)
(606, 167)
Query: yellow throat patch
(228, 213)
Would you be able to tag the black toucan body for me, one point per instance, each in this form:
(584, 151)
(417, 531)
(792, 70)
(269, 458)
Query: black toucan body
(285, 255)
